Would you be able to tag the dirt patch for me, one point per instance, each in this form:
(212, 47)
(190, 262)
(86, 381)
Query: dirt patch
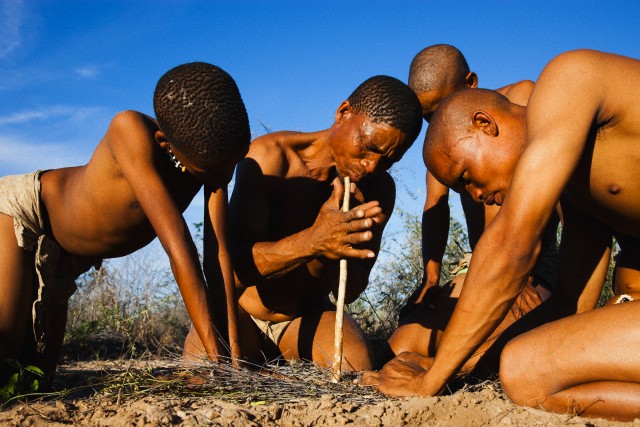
(109, 394)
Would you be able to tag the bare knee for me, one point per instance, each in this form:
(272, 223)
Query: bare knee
(357, 354)
(515, 373)
(410, 338)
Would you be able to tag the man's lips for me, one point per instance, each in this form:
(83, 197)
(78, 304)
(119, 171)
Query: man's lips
(355, 176)
(493, 199)
(489, 200)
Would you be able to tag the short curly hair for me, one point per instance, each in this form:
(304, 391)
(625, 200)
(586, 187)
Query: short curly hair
(437, 66)
(387, 100)
(199, 108)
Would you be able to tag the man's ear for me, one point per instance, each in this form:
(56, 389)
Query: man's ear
(343, 111)
(471, 80)
(161, 139)
(485, 123)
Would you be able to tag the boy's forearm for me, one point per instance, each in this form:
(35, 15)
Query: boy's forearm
(194, 294)
(221, 286)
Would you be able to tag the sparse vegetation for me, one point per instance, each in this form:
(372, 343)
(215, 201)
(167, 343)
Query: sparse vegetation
(128, 307)
(133, 306)
(399, 273)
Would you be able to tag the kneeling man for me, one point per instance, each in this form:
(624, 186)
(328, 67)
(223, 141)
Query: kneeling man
(578, 142)
(288, 234)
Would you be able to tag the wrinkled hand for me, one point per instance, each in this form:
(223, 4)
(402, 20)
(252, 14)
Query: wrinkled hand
(334, 233)
(424, 362)
(399, 377)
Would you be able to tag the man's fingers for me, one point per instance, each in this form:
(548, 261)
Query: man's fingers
(338, 192)
(359, 253)
(359, 225)
(371, 378)
(365, 210)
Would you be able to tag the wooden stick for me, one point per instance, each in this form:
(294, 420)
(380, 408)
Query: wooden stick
(342, 288)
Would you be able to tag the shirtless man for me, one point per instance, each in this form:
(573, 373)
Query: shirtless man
(56, 224)
(435, 73)
(289, 234)
(581, 132)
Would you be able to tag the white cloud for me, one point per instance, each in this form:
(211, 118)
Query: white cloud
(87, 72)
(49, 137)
(11, 19)
(18, 156)
(43, 114)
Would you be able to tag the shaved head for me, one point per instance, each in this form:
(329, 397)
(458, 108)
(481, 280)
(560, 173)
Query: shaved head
(454, 121)
(437, 66)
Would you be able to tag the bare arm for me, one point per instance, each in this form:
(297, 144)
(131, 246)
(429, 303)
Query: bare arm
(435, 229)
(578, 290)
(559, 118)
(217, 266)
(333, 234)
(435, 232)
(134, 150)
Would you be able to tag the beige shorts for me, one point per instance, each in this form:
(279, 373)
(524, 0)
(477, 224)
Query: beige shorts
(56, 269)
(273, 331)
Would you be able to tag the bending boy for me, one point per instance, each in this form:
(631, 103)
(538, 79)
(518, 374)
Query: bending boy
(289, 232)
(56, 224)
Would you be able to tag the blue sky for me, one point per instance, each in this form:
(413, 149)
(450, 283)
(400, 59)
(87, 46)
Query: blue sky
(66, 67)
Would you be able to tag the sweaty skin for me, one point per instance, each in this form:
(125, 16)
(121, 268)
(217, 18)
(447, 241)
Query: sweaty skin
(583, 115)
(126, 195)
(289, 232)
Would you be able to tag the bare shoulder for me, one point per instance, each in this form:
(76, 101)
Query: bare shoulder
(584, 58)
(269, 153)
(131, 129)
(276, 151)
(598, 81)
(518, 92)
(587, 64)
(131, 120)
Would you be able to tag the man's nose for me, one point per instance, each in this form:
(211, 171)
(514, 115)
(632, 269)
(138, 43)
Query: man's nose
(374, 163)
(475, 193)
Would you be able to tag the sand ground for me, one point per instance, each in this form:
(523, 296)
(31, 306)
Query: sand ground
(136, 406)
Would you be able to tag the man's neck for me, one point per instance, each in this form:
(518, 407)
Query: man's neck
(317, 157)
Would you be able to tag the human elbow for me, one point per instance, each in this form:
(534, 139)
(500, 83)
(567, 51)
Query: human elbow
(244, 265)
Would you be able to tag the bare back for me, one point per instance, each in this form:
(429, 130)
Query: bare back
(93, 209)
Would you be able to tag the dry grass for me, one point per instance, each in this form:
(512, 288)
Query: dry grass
(274, 382)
